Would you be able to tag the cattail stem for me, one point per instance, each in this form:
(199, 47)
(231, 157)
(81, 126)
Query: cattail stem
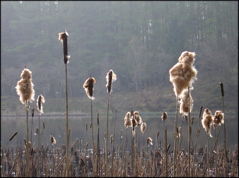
(27, 144)
(39, 142)
(189, 135)
(98, 147)
(208, 165)
(93, 143)
(166, 150)
(175, 139)
(107, 132)
(67, 127)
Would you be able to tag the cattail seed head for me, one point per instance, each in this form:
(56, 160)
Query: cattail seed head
(110, 78)
(143, 127)
(164, 116)
(88, 86)
(222, 90)
(218, 118)
(186, 102)
(149, 141)
(24, 87)
(40, 100)
(127, 120)
(13, 136)
(111, 138)
(183, 74)
(137, 117)
(53, 140)
(207, 121)
(63, 36)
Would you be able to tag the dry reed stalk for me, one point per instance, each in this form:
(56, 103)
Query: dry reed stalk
(89, 88)
(98, 147)
(110, 78)
(189, 133)
(63, 37)
(26, 94)
(32, 122)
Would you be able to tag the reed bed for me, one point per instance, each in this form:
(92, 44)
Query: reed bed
(148, 163)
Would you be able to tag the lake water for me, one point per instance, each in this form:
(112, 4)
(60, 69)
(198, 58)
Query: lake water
(80, 128)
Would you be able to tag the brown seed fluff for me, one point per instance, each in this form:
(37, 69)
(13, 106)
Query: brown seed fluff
(143, 127)
(89, 87)
(110, 77)
(127, 120)
(186, 102)
(207, 121)
(40, 100)
(183, 74)
(24, 87)
(218, 118)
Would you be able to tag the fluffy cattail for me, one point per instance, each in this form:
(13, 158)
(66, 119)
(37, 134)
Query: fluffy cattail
(110, 77)
(53, 140)
(24, 87)
(111, 138)
(218, 118)
(183, 74)
(88, 86)
(149, 141)
(164, 116)
(63, 38)
(127, 120)
(207, 121)
(40, 100)
(137, 117)
(186, 102)
(143, 127)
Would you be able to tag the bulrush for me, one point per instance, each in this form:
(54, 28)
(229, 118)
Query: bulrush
(40, 100)
(149, 141)
(183, 74)
(137, 117)
(88, 86)
(127, 120)
(218, 118)
(53, 140)
(110, 77)
(63, 38)
(186, 102)
(24, 87)
(143, 127)
(134, 124)
(164, 116)
(207, 121)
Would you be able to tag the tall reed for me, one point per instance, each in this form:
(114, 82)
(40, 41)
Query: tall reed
(26, 94)
(40, 100)
(182, 75)
(110, 78)
(89, 88)
(63, 37)
(164, 117)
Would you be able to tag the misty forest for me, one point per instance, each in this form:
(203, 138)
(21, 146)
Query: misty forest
(139, 42)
